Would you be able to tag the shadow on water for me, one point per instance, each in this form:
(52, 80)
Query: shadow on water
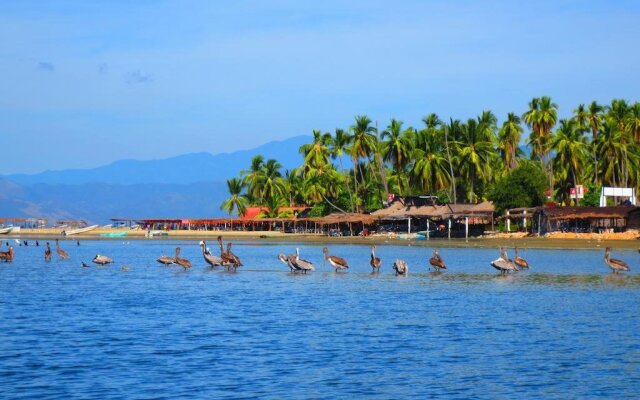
(543, 279)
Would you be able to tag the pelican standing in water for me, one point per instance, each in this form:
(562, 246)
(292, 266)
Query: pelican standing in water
(228, 260)
(613, 263)
(436, 261)
(375, 262)
(519, 261)
(304, 265)
(234, 258)
(289, 261)
(7, 255)
(101, 260)
(183, 262)
(503, 263)
(166, 260)
(61, 253)
(47, 253)
(336, 262)
(209, 258)
(401, 267)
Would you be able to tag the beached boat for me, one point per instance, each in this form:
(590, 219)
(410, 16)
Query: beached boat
(9, 229)
(79, 230)
(114, 234)
(151, 234)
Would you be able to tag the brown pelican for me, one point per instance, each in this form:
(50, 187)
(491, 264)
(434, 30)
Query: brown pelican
(166, 260)
(336, 262)
(228, 259)
(401, 267)
(304, 265)
(436, 261)
(519, 261)
(375, 261)
(7, 255)
(615, 264)
(209, 258)
(289, 261)
(101, 260)
(503, 264)
(234, 258)
(47, 253)
(183, 262)
(61, 253)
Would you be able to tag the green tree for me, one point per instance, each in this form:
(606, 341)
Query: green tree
(237, 201)
(522, 187)
(509, 140)
(571, 150)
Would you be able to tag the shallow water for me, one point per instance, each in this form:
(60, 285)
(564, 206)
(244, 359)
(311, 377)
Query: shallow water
(567, 328)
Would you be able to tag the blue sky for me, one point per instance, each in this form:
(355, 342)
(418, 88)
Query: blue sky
(86, 83)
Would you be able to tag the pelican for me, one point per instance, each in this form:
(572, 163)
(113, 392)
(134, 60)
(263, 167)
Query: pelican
(375, 261)
(503, 263)
(304, 265)
(61, 253)
(210, 259)
(234, 258)
(401, 267)
(613, 263)
(289, 261)
(336, 262)
(183, 262)
(228, 260)
(7, 255)
(101, 260)
(436, 261)
(47, 253)
(519, 261)
(166, 260)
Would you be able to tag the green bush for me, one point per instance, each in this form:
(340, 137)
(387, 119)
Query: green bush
(522, 187)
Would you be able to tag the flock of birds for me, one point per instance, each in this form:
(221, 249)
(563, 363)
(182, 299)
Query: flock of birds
(231, 261)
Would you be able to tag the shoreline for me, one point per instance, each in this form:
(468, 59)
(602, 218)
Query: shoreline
(553, 241)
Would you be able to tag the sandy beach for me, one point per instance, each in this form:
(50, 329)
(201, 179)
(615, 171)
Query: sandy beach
(626, 240)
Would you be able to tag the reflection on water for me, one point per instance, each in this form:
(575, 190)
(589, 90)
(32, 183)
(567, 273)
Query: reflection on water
(565, 327)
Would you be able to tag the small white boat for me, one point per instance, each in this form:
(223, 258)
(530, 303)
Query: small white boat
(9, 229)
(79, 230)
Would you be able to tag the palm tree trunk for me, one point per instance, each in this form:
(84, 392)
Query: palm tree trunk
(453, 178)
(332, 205)
(575, 185)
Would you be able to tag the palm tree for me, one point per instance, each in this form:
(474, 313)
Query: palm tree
(509, 140)
(571, 149)
(595, 124)
(396, 149)
(339, 146)
(633, 122)
(251, 178)
(237, 201)
(541, 118)
(270, 180)
(316, 154)
(430, 171)
(364, 142)
(474, 154)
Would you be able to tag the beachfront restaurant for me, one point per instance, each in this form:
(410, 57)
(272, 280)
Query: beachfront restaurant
(586, 219)
(425, 214)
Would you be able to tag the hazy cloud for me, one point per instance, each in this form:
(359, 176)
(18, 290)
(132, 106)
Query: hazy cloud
(137, 76)
(46, 66)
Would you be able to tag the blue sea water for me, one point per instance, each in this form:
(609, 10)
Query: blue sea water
(567, 328)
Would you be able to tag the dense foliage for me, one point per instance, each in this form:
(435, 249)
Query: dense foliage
(463, 161)
(522, 187)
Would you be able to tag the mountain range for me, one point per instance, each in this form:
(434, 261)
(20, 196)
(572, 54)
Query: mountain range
(185, 186)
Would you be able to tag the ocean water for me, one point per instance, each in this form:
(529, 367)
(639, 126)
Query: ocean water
(567, 328)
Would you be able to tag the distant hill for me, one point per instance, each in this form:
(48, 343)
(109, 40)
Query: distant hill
(183, 169)
(186, 186)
